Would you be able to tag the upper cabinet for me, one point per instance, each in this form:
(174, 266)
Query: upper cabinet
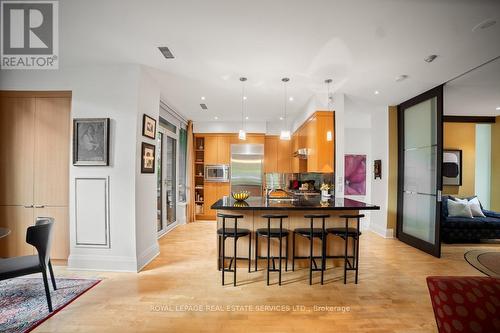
(316, 135)
(271, 154)
(218, 149)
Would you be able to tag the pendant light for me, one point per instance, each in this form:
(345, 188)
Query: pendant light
(242, 135)
(285, 133)
(329, 136)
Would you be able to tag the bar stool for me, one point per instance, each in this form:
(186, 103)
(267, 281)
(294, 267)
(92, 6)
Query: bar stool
(347, 233)
(272, 233)
(312, 233)
(234, 233)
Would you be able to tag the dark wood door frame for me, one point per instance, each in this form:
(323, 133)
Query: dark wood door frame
(433, 249)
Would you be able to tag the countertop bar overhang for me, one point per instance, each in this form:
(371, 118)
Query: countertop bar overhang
(311, 203)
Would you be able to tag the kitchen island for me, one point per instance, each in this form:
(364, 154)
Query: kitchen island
(253, 208)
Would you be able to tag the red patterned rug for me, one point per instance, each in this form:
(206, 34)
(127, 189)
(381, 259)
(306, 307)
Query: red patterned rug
(23, 305)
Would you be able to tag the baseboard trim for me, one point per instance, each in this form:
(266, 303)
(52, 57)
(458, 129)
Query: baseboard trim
(147, 256)
(102, 263)
(383, 232)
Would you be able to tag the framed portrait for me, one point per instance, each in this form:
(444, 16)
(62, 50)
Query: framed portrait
(148, 127)
(91, 141)
(452, 167)
(147, 158)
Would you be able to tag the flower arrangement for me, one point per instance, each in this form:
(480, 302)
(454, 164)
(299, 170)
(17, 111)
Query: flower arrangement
(325, 187)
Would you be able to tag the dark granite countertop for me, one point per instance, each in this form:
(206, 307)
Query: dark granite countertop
(298, 203)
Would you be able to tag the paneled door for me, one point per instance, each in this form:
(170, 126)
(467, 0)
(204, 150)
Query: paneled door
(420, 154)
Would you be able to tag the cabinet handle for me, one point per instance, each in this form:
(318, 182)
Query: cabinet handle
(28, 206)
(39, 206)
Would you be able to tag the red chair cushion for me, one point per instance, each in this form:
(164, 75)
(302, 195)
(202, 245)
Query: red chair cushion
(465, 303)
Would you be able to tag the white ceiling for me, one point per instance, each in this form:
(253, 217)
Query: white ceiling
(362, 45)
(475, 93)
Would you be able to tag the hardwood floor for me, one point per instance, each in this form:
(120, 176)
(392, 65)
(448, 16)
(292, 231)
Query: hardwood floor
(391, 295)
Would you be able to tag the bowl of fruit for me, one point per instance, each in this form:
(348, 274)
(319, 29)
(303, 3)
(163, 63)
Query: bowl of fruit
(240, 196)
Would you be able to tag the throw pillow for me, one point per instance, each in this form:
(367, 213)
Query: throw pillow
(475, 207)
(459, 209)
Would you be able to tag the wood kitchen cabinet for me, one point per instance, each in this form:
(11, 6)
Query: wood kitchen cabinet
(271, 154)
(211, 148)
(285, 155)
(277, 155)
(34, 176)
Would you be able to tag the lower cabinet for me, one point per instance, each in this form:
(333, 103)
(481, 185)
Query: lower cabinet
(18, 218)
(214, 192)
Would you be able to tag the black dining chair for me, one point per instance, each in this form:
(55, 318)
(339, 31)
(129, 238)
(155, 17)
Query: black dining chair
(40, 236)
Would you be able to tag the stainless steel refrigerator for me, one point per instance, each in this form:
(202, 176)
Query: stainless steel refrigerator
(247, 168)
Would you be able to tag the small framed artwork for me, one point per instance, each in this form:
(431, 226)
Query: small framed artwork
(91, 142)
(452, 167)
(147, 158)
(148, 127)
(377, 169)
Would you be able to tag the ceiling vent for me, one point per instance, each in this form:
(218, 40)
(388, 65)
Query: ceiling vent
(204, 106)
(166, 52)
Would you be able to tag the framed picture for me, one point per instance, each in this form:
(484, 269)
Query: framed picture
(149, 127)
(377, 169)
(452, 167)
(355, 174)
(147, 158)
(91, 141)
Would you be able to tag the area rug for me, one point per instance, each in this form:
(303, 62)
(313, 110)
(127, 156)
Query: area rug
(485, 261)
(23, 305)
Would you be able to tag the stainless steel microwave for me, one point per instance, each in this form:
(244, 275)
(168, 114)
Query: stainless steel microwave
(217, 173)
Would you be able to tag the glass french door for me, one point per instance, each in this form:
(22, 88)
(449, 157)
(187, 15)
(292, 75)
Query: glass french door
(166, 156)
(419, 182)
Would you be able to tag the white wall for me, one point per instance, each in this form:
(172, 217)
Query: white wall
(366, 133)
(483, 164)
(145, 184)
(102, 92)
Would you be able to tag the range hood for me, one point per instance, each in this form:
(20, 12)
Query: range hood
(301, 153)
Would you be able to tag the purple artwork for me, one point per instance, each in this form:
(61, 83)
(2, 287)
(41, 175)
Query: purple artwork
(355, 174)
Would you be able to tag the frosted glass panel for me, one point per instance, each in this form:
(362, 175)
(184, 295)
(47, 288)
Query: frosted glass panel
(419, 216)
(420, 124)
(420, 170)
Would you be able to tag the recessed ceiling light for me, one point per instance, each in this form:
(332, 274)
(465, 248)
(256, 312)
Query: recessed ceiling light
(281, 118)
(216, 117)
(401, 78)
(498, 108)
(376, 92)
(166, 52)
(202, 98)
(431, 58)
(485, 24)
(246, 118)
(244, 98)
(291, 99)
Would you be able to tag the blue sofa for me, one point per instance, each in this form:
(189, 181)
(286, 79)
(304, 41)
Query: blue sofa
(468, 230)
